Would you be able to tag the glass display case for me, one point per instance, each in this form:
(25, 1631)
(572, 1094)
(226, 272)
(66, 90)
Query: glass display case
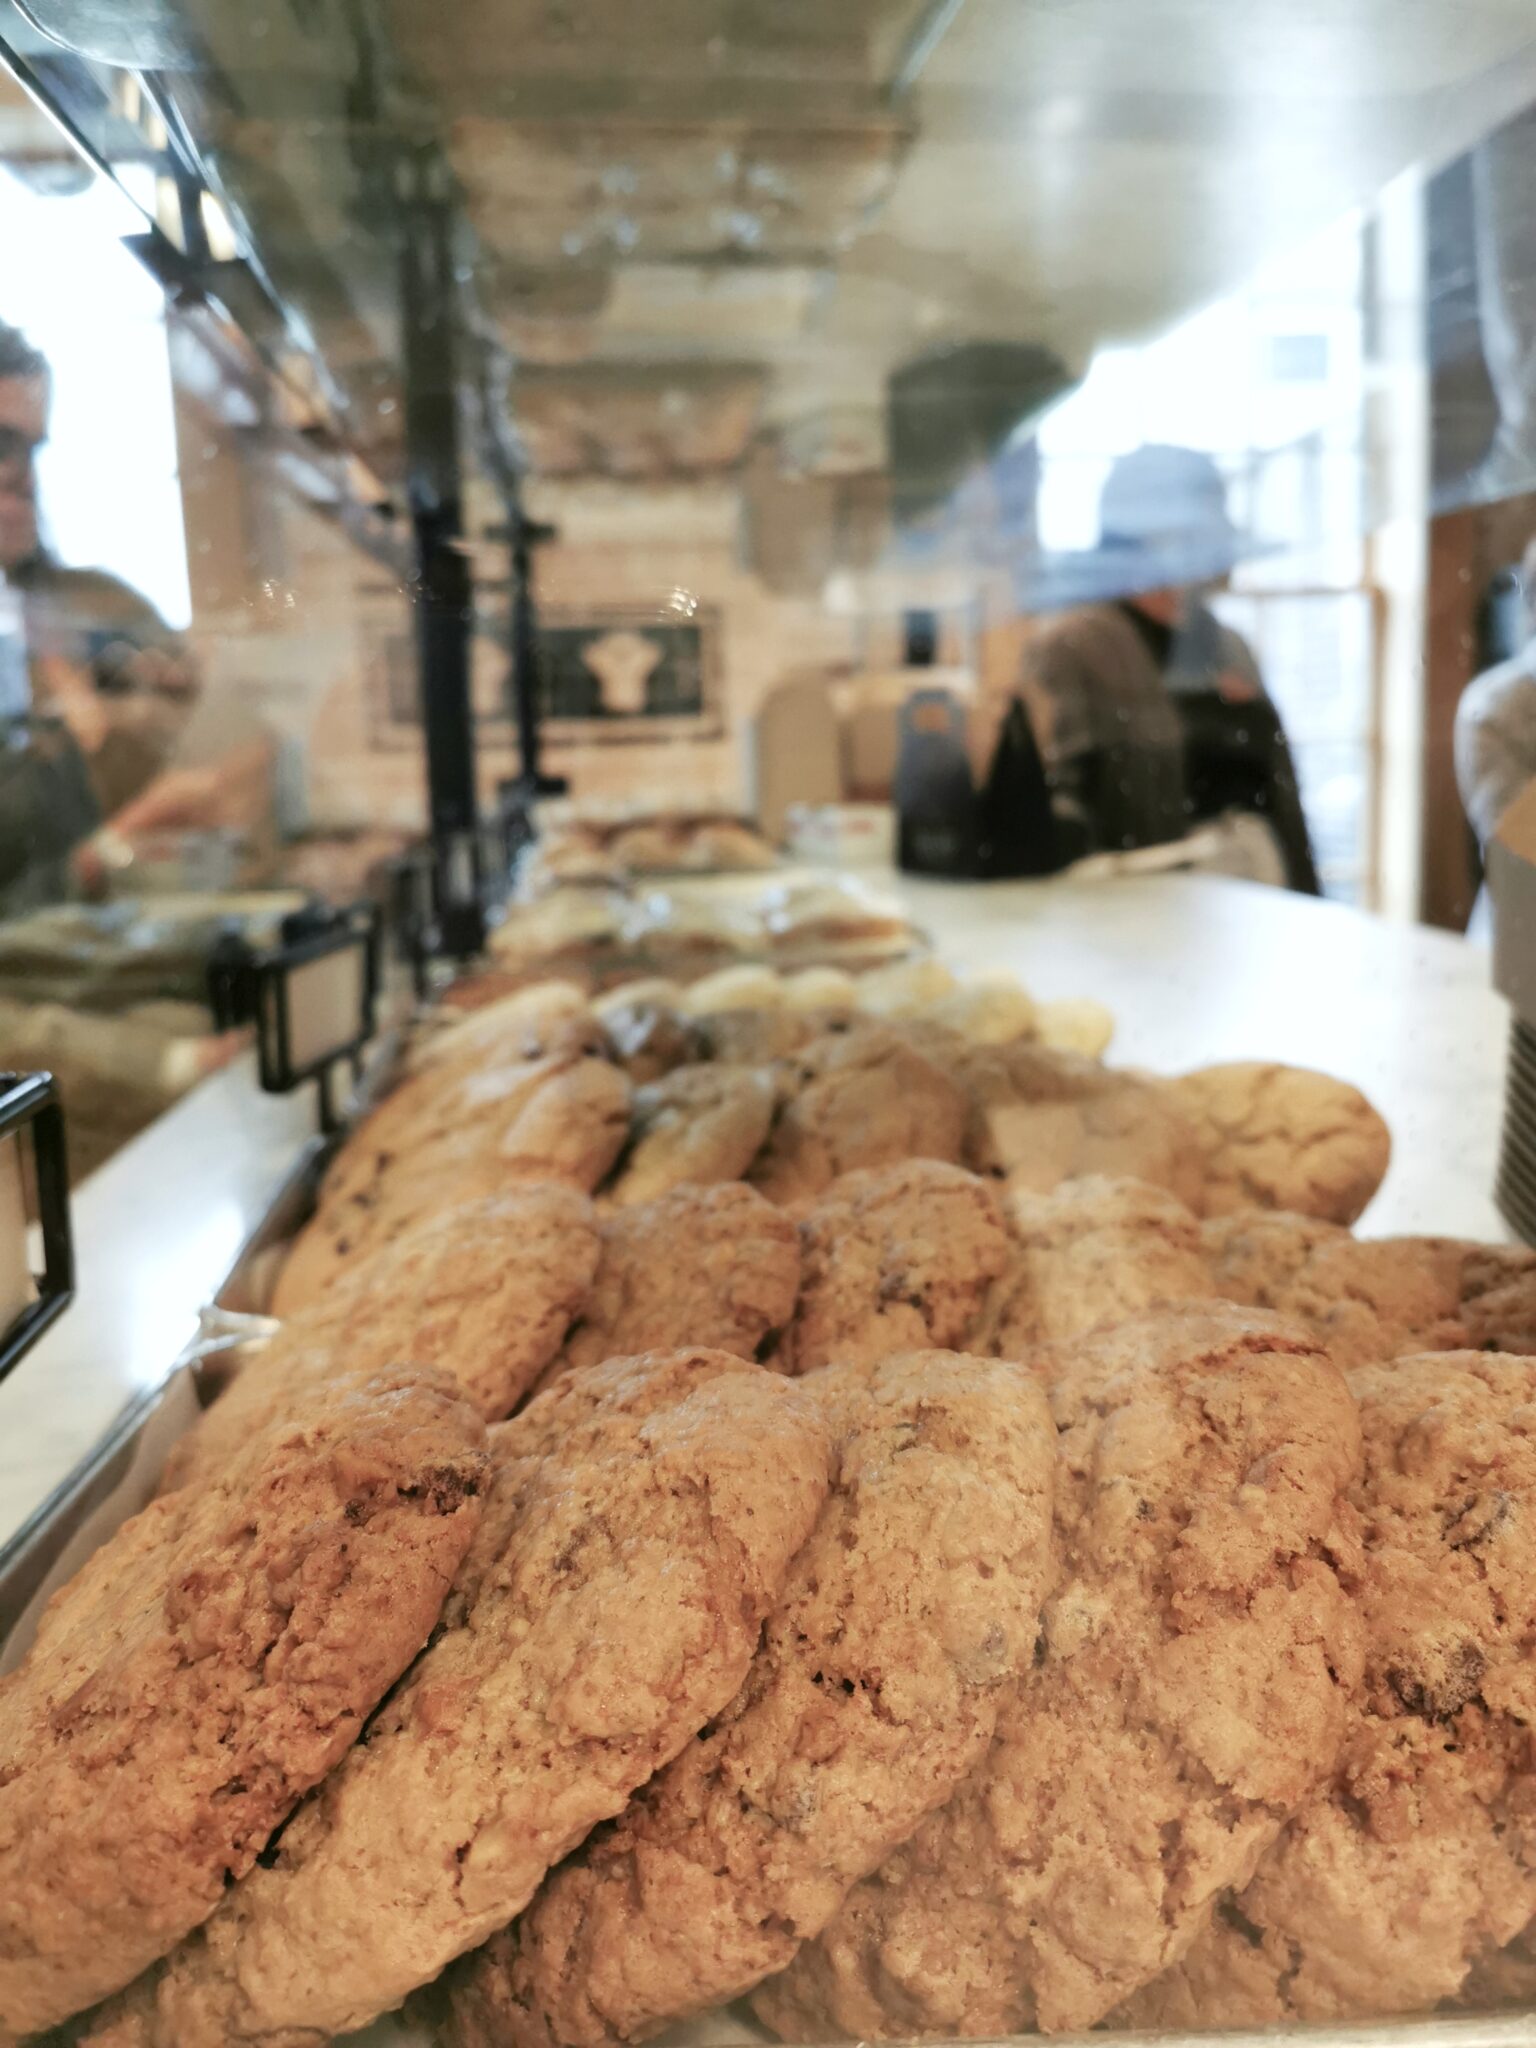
(841, 698)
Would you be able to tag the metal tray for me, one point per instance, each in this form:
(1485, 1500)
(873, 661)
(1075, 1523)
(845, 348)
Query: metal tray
(246, 1288)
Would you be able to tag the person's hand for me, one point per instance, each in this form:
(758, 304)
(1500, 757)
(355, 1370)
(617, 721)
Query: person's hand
(180, 800)
(98, 861)
(69, 693)
(1233, 687)
(90, 871)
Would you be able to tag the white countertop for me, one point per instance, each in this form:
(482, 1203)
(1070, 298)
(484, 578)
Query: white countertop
(1199, 969)
(155, 1229)
(1196, 969)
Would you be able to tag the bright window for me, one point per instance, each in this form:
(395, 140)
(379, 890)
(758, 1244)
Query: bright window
(111, 498)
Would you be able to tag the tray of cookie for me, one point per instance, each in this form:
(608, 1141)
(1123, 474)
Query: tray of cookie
(617, 842)
(837, 1523)
(607, 933)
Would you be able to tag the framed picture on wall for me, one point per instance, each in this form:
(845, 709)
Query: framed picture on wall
(606, 676)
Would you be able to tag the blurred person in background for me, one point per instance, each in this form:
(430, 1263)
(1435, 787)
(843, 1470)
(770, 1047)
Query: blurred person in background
(1496, 733)
(1151, 715)
(111, 687)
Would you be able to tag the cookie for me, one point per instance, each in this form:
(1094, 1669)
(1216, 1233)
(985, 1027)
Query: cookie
(1075, 1024)
(1037, 1118)
(213, 1661)
(829, 989)
(469, 1098)
(1506, 1977)
(484, 1294)
(656, 848)
(270, 1387)
(624, 1572)
(718, 1267)
(732, 988)
(1278, 1137)
(1191, 1691)
(729, 848)
(905, 988)
(1095, 1251)
(549, 1118)
(1375, 1298)
(356, 1218)
(755, 1038)
(991, 1010)
(875, 1689)
(857, 1099)
(572, 1128)
(650, 989)
(1498, 1298)
(650, 1037)
(1418, 1858)
(1257, 1257)
(700, 1124)
(894, 1258)
(529, 1022)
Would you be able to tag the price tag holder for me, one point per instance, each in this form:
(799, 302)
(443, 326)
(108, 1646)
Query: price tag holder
(34, 1187)
(413, 914)
(315, 1001)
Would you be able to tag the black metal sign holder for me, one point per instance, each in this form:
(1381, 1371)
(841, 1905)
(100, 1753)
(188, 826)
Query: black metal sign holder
(442, 582)
(413, 915)
(31, 1102)
(355, 929)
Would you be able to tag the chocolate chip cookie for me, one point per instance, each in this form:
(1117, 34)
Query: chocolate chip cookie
(212, 1662)
(1094, 1251)
(700, 1124)
(554, 1118)
(718, 1267)
(1192, 1690)
(650, 1038)
(894, 1258)
(875, 1689)
(530, 1022)
(855, 1099)
(484, 1293)
(1376, 1298)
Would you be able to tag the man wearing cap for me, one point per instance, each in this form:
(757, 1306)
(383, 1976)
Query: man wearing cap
(1115, 687)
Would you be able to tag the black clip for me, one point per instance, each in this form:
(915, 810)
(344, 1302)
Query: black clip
(413, 915)
(287, 1052)
(231, 977)
(31, 1101)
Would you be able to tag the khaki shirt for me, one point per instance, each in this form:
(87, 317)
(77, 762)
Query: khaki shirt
(1496, 740)
(1107, 728)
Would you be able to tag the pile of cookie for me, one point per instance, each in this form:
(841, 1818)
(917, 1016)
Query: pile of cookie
(593, 844)
(606, 936)
(924, 1533)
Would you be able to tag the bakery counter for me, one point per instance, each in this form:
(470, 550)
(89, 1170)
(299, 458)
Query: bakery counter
(1195, 969)
(822, 1585)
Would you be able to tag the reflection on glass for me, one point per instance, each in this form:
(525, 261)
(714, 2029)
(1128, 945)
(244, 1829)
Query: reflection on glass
(1197, 434)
